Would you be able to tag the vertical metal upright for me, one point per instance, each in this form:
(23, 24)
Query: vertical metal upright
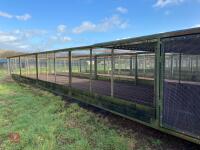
(47, 64)
(80, 65)
(112, 73)
(54, 65)
(28, 68)
(171, 67)
(70, 72)
(20, 69)
(95, 67)
(179, 75)
(104, 63)
(159, 77)
(36, 65)
(131, 65)
(136, 68)
(90, 88)
(9, 66)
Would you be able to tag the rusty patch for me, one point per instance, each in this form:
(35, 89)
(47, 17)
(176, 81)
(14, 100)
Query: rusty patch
(14, 137)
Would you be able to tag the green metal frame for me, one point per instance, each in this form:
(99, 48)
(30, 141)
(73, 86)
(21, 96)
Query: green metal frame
(156, 121)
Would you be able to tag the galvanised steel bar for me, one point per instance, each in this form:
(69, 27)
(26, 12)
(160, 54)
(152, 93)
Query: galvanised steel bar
(70, 71)
(112, 73)
(36, 66)
(90, 71)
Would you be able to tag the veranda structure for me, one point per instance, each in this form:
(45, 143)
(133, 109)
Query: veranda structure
(154, 80)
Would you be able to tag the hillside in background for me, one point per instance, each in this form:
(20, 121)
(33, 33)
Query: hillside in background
(7, 53)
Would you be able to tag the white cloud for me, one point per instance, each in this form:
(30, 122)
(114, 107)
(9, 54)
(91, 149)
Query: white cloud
(61, 28)
(163, 3)
(195, 26)
(84, 27)
(122, 10)
(105, 25)
(6, 38)
(18, 17)
(66, 39)
(5, 15)
(24, 17)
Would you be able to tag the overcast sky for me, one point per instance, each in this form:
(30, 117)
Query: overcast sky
(38, 25)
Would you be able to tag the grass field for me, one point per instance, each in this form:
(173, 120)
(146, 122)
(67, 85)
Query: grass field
(43, 121)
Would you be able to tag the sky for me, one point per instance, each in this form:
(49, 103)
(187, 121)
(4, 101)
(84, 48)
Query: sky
(40, 25)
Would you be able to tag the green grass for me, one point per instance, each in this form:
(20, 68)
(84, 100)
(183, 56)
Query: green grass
(44, 121)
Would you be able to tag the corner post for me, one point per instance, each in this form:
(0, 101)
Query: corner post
(112, 72)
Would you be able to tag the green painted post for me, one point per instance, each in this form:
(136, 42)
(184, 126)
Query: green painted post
(172, 70)
(95, 68)
(90, 88)
(80, 65)
(9, 66)
(179, 77)
(136, 68)
(47, 66)
(112, 73)
(70, 72)
(28, 66)
(54, 65)
(20, 69)
(104, 62)
(131, 65)
(36, 65)
(159, 72)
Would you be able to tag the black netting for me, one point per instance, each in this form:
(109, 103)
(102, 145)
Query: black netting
(181, 108)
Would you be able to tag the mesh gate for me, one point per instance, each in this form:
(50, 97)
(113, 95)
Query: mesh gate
(181, 106)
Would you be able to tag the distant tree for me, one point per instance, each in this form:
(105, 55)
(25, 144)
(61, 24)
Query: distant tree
(8, 53)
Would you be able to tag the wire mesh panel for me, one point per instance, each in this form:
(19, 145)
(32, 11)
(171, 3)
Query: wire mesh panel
(80, 76)
(62, 68)
(42, 66)
(127, 82)
(24, 66)
(182, 85)
(101, 69)
(14, 65)
(146, 64)
(31, 66)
